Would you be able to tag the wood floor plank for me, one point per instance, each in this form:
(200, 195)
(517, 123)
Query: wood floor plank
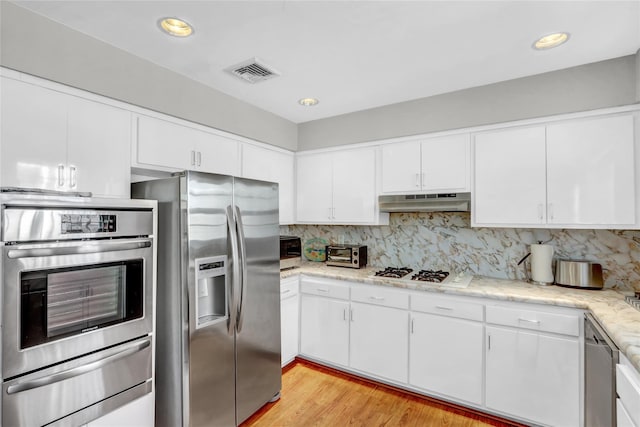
(313, 395)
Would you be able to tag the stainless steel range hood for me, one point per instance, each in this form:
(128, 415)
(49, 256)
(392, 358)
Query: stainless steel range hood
(445, 202)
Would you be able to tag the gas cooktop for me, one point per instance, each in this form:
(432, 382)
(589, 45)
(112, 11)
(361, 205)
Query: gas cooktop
(429, 277)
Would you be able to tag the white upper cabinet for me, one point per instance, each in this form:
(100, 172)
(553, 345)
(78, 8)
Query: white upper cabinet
(435, 165)
(165, 145)
(56, 141)
(337, 187)
(590, 171)
(569, 174)
(274, 166)
(510, 177)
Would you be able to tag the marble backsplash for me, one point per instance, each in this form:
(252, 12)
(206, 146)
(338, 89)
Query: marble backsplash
(447, 241)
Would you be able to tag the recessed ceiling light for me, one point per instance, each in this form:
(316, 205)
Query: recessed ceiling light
(551, 40)
(308, 102)
(176, 27)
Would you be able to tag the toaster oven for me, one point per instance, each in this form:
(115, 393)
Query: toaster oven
(347, 255)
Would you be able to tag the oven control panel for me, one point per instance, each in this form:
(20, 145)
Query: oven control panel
(87, 223)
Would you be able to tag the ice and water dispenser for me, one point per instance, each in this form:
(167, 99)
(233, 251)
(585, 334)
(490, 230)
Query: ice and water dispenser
(212, 291)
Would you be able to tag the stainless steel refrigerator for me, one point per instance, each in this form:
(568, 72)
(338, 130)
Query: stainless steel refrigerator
(218, 298)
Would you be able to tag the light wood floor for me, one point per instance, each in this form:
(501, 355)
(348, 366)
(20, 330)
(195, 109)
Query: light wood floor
(316, 396)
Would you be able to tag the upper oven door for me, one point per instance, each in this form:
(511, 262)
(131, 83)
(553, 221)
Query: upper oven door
(63, 300)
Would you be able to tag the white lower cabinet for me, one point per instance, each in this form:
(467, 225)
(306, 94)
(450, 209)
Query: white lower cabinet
(533, 376)
(445, 356)
(520, 361)
(289, 319)
(628, 390)
(324, 323)
(379, 341)
(139, 413)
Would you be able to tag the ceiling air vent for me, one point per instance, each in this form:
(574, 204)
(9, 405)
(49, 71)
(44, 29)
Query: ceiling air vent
(252, 71)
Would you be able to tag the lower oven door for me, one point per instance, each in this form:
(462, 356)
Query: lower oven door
(67, 299)
(78, 391)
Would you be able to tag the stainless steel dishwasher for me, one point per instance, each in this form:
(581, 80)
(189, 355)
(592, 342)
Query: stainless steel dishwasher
(600, 359)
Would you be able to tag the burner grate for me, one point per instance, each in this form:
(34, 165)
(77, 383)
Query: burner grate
(393, 272)
(430, 276)
(634, 301)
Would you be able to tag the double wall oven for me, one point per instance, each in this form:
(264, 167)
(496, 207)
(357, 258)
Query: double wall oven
(77, 299)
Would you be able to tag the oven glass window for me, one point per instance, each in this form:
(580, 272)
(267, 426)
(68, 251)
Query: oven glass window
(63, 302)
(341, 254)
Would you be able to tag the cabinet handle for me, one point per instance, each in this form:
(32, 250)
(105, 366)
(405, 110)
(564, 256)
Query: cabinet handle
(73, 175)
(60, 175)
(537, 322)
(418, 180)
(344, 314)
(412, 321)
(193, 158)
(441, 307)
(488, 342)
(377, 298)
(540, 211)
(550, 210)
(199, 158)
(322, 290)
(286, 291)
(351, 314)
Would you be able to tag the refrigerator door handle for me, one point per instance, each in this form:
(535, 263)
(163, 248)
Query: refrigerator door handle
(235, 274)
(243, 263)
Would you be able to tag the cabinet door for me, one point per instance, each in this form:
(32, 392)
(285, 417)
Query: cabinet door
(590, 170)
(324, 329)
(510, 177)
(533, 376)
(354, 186)
(401, 167)
(289, 328)
(446, 356)
(314, 188)
(98, 149)
(379, 341)
(215, 153)
(445, 164)
(270, 165)
(165, 144)
(34, 136)
(139, 413)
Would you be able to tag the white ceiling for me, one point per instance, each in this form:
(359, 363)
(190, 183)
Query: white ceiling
(355, 55)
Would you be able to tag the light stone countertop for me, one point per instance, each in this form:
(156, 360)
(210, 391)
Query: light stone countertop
(621, 321)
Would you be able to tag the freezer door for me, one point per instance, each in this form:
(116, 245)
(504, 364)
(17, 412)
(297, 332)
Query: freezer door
(210, 353)
(258, 371)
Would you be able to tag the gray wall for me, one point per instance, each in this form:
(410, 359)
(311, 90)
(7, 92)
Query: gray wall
(638, 76)
(36, 45)
(586, 87)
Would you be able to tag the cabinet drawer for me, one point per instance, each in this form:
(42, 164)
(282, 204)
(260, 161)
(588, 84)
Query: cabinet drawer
(288, 288)
(447, 307)
(628, 388)
(537, 320)
(622, 416)
(325, 289)
(380, 296)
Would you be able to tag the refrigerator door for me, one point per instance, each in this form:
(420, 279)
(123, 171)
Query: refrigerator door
(258, 371)
(210, 351)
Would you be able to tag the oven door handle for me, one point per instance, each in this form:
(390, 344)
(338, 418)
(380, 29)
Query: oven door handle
(74, 372)
(85, 248)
